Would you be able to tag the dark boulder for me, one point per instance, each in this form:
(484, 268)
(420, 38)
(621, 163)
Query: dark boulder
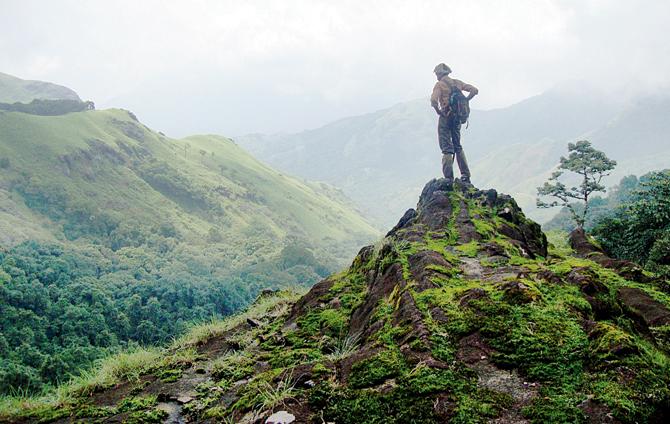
(434, 209)
(643, 308)
(404, 222)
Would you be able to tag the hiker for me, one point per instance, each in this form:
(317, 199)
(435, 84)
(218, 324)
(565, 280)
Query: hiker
(446, 97)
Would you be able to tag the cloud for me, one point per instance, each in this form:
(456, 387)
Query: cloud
(263, 65)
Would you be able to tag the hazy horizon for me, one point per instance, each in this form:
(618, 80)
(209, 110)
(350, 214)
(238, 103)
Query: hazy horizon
(268, 67)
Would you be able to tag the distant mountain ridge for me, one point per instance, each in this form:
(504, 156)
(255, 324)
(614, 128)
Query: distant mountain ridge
(13, 89)
(380, 159)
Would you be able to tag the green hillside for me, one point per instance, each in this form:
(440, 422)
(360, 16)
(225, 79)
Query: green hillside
(113, 235)
(13, 89)
(102, 176)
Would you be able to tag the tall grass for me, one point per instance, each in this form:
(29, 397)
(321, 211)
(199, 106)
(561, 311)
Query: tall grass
(131, 365)
(125, 366)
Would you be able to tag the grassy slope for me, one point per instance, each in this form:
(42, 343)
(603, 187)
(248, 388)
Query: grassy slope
(507, 336)
(14, 89)
(104, 163)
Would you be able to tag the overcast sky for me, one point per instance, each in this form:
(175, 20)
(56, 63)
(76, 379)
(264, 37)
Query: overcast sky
(236, 67)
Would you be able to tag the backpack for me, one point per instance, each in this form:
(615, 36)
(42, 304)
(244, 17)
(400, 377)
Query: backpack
(459, 105)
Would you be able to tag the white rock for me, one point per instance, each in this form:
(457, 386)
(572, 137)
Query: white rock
(184, 399)
(280, 417)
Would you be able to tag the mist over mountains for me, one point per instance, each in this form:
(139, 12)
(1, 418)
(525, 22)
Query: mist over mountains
(381, 159)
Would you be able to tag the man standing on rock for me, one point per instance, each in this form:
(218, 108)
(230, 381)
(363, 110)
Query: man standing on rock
(449, 125)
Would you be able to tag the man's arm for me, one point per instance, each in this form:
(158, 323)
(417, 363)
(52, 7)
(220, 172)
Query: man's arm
(471, 89)
(434, 99)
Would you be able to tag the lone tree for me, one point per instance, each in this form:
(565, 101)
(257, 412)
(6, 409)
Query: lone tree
(592, 165)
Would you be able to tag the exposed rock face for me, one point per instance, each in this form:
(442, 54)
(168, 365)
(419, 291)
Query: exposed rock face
(460, 314)
(650, 312)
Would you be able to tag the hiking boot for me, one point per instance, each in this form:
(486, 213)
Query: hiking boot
(463, 166)
(466, 181)
(448, 167)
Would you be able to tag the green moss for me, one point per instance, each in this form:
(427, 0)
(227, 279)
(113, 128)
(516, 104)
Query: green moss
(662, 336)
(233, 366)
(459, 320)
(341, 282)
(137, 403)
(411, 399)
(216, 412)
(510, 249)
(638, 387)
(170, 375)
(332, 322)
(282, 357)
(469, 249)
(530, 264)
(369, 407)
(387, 261)
(523, 291)
(446, 272)
(609, 341)
(423, 380)
(483, 228)
(564, 295)
(552, 406)
(480, 406)
(264, 392)
(320, 369)
(564, 266)
(90, 411)
(377, 369)
(146, 417)
(441, 245)
(545, 341)
(442, 347)
(355, 293)
(389, 333)
(47, 414)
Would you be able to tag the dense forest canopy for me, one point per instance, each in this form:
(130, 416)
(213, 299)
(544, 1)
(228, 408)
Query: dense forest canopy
(61, 308)
(639, 230)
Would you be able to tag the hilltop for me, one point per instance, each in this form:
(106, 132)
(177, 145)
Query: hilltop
(463, 313)
(13, 89)
(104, 177)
